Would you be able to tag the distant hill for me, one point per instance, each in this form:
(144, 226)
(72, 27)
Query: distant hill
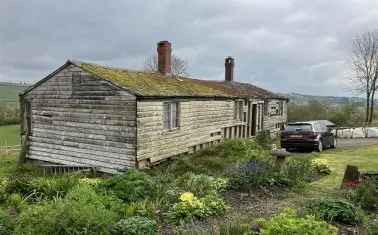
(301, 99)
(9, 92)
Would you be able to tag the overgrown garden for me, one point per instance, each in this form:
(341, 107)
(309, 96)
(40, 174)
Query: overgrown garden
(221, 190)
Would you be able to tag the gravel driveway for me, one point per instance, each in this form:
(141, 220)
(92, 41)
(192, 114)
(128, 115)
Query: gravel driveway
(357, 142)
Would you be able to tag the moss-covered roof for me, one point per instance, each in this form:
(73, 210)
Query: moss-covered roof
(152, 84)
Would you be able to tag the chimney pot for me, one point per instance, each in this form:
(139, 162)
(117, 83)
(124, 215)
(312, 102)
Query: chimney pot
(229, 64)
(164, 57)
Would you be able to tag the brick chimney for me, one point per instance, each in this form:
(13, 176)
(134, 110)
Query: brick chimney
(164, 57)
(229, 64)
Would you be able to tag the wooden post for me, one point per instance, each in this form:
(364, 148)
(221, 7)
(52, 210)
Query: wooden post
(23, 133)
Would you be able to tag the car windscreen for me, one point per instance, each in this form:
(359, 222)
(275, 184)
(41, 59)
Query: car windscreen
(299, 127)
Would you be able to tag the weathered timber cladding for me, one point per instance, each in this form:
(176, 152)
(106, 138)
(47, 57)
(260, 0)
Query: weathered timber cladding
(273, 122)
(78, 119)
(201, 123)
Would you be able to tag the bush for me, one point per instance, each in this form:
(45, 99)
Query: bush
(234, 227)
(82, 211)
(289, 223)
(201, 184)
(372, 225)
(264, 139)
(16, 201)
(6, 223)
(321, 166)
(131, 186)
(253, 174)
(191, 207)
(365, 195)
(40, 188)
(297, 171)
(334, 210)
(136, 225)
(243, 149)
(144, 208)
(18, 184)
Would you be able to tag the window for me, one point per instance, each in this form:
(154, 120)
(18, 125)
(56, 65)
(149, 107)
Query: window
(171, 115)
(276, 108)
(239, 110)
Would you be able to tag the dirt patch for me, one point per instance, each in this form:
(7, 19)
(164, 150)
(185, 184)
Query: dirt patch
(256, 204)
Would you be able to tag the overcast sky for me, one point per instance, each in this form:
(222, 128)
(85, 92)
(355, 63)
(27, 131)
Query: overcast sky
(282, 45)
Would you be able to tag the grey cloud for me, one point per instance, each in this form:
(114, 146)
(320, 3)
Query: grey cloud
(283, 45)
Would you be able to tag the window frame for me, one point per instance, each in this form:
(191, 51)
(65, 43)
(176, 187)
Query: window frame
(278, 108)
(171, 116)
(239, 110)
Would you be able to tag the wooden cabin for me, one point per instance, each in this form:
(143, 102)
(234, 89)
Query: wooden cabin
(85, 114)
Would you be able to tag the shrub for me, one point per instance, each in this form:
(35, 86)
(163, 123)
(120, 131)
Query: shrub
(366, 195)
(191, 207)
(38, 188)
(253, 174)
(233, 227)
(52, 187)
(243, 149)
(289, 223)
(136, 225)
(201, 184)
(18, 184)
(82, 211)
(297, 170)
(321, 166)
(16, 201)
(144, 208)
(334, 210)
(264, 139)
(131, 186)
(372, 225)
(6, 223)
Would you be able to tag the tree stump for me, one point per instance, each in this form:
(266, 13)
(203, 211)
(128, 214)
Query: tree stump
(351, 177)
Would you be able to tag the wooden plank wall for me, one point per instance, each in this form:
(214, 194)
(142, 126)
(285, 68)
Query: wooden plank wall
(203, 123)
(82, 120)
(273, 123)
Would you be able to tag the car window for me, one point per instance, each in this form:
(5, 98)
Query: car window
(299, 127)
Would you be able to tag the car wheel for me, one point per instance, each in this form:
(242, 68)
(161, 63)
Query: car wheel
(320, 146)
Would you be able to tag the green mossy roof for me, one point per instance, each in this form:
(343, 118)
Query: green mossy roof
(152, 84)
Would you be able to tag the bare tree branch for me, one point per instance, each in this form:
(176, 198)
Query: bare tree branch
(179, 66)
(365, 64)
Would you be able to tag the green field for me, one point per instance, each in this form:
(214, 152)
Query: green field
(9, 135)
(9, 94)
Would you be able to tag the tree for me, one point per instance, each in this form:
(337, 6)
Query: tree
(179, 66)
(365, 64)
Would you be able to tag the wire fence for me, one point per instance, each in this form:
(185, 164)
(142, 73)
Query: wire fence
(9, 149)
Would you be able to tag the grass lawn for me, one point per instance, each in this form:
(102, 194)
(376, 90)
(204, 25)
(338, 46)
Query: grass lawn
(10, 135)
(365, 158)
(7, 164)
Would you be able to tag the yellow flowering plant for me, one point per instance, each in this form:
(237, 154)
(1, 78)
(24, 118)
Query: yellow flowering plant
(189, 206)
(321, 166)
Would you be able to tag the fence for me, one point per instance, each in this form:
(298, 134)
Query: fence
(6, 150)
(357, 132)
